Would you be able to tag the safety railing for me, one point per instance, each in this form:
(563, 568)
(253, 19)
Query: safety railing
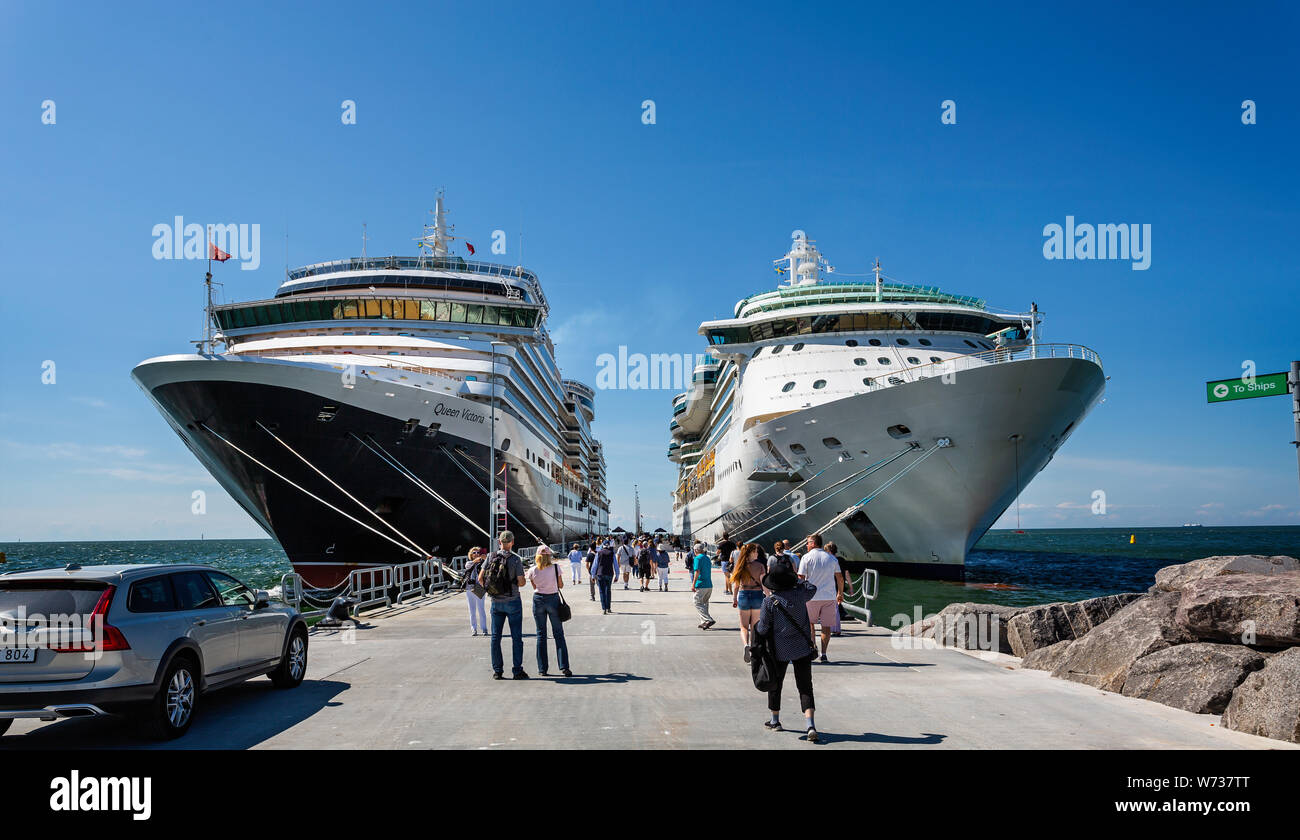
(371, 586)
(293, 594)
(869, 588)
(952, 366)
(411, 579)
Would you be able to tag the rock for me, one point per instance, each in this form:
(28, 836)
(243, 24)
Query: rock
(1037, 627)
(973, 626)
(1103, 657)
(1268, 701)
(1199, 677)
(1045, 658)
(1242, 608)
(1174, 578)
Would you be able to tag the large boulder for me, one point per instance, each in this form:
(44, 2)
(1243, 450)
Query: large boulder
(1045, 658)
(1174, 578)
(1268, 701)
(967, 625)
(1199, 677)
(1241, 608)
(1038, 627)
(1103, 657)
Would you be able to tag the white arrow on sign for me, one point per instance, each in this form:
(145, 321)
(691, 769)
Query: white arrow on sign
(1220, 390)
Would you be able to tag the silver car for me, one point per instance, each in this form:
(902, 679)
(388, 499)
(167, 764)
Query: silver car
(147, 640)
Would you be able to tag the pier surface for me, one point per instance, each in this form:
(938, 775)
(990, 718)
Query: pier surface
(646, 678)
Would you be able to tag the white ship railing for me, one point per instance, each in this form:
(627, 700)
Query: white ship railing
(973, 361)
(371, 586)
(869, 586)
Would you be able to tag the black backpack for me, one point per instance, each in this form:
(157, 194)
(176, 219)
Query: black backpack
(497, 579)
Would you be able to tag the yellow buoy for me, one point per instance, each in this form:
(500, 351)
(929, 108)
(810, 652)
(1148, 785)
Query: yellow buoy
(1132, 538)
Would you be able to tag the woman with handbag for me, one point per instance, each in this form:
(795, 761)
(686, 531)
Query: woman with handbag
(783, 621)
(547, 581)
(747, 589)
(474, 592)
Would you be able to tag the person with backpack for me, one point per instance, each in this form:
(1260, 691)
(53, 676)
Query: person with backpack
(702, 584)
(645, 559)
(603, 571)
(661, 562)
(502, 576)
(547, 581)
(726, 548)
(474, 592)
(787, 640)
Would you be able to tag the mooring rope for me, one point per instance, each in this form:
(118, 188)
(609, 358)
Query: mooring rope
(416, 480)
(451, 457)
(851, 509)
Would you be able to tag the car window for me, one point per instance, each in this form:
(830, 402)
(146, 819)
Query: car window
(232, 592)
(151, 596)
(49, 598)
(193, 592)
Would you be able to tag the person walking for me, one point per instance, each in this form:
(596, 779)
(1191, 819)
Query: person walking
(661, 562)
(726, 548)
(625, 562)
(591, 576)
(702, 584)
(603, 571)
(747, 590)
(474, 592)
(783, 618)
(575, 564)
(547, 581)
(502, 575)
(840, 615)
(820, 568)
(645, 559)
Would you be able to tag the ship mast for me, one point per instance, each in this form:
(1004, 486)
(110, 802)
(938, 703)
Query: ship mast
(437, 236)
(803, 262)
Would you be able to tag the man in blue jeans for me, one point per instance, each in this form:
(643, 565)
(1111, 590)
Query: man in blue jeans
(507, 606)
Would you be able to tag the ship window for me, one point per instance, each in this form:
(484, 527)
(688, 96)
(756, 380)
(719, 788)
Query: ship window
(986, 345)
(505, 445)
(924, 341)
(894, 380)
(777, 349)
(786, 387)
(899, 431)
(412, 310)
(875, 342)
(912, 360)
(902, 342)
(474, 314)
(797, 448)
(859, 361)
(819, 384)
(458, 313)
(757, 350)
(797, 347)
(444, 311)
(832, 443)
(935, 359)
(969, 342)
(490, 315)
(884, 360)
(852, 342)
(428, 310)
(868, 381)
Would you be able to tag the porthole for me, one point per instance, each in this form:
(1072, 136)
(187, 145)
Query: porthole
(969, 343)
(505, 445)
(785, 389)
(819, 384)
(935, 359)
(894, 380)
(875, 342)
(986, 345)
(797, 448)
(832, 443)
(912, 360)
(777, 349)
(884, 360)
(796, 348)
(902, 342)
(925, 342)
(757, 350)
(859, 361)
(852, 342)
(868, 381)
(899, 431)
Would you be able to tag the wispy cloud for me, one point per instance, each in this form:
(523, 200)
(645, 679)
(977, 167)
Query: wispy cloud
(71, 451)
(93, 402)
(153, 473)
(572, 328)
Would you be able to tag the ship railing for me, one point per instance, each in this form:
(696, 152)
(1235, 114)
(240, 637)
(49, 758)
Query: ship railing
(869, 588)
(952, 366)
(414, 263)
(371, 586)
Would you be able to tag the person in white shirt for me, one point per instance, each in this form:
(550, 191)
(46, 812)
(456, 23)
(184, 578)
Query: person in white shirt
(625, 562)
(820, 568)
(575, 564)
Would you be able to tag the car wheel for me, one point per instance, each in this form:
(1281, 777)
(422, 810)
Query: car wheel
(5, 724)
(172, 711)
(293, 667)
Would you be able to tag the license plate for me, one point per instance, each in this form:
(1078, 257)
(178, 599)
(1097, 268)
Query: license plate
(13, 656)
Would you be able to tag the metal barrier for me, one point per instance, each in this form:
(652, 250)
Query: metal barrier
(292, 594)
(869, 586)
(411, 579)
(371, 586)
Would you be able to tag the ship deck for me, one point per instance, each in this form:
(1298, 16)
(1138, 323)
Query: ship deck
(646, 678)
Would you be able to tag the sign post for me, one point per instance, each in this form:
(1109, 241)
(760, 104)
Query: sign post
(1267, 385)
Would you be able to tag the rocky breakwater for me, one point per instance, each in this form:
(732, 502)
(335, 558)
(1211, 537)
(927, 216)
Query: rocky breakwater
(1219, 635)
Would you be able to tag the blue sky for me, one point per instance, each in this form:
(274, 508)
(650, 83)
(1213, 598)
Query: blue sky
(769, 117)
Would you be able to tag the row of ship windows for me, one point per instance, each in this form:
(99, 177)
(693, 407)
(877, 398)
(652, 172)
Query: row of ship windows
(401, 309)
(875, 342)
(873, 322)
(821, 383)
(869, 381)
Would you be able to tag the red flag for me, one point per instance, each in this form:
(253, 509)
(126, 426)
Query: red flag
(471, 248)
(215, 253)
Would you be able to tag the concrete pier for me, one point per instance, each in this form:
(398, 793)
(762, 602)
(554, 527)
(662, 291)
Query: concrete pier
(412, 677)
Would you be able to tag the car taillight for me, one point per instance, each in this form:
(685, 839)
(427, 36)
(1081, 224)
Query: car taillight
(110, 639)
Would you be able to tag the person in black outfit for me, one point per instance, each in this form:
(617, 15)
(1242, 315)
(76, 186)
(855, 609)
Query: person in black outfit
(784, 618)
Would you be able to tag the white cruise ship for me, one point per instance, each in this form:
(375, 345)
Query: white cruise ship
(898, 421)
(351, 415)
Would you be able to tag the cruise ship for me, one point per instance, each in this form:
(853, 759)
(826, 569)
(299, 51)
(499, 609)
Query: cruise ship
(898, 421)
(358, 415)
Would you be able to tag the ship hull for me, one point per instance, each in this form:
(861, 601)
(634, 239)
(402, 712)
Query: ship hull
(440, 438)
(925, 524)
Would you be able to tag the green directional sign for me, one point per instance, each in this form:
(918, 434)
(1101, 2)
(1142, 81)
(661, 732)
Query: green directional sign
(1267, 385)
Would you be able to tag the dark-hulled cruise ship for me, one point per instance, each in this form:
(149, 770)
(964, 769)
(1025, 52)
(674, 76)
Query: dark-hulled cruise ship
(351, 415)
